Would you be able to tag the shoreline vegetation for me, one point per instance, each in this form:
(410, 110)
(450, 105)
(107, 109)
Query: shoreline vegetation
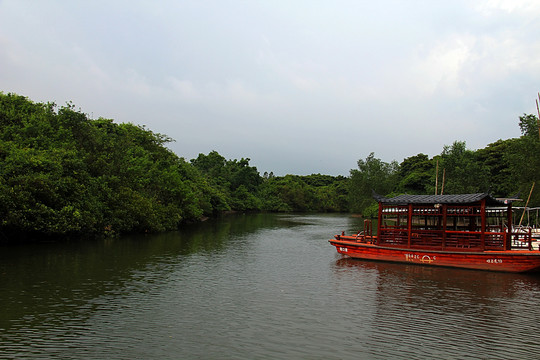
(63, 175)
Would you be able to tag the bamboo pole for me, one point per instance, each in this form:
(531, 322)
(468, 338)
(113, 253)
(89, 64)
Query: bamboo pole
(538, 119)
(437, 177)
(443, 178)
(527, 204)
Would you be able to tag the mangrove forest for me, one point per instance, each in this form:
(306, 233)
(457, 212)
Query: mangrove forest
(65, 175)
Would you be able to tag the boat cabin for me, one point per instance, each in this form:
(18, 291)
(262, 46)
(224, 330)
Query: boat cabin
(465, 222)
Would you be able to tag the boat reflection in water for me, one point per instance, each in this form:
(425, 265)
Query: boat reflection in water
(435, 312)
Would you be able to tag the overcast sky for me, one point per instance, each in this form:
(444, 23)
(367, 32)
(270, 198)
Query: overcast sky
(297, 86)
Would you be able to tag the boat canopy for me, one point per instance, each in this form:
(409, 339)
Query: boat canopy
(457, 199)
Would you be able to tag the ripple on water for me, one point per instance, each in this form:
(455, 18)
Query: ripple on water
(269, 291)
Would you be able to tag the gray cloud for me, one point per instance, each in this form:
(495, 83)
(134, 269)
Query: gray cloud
(299, 87)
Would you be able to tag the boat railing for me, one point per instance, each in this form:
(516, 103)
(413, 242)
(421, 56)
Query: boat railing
(453, 239)
(463, 239)
(425, 238)
(494, 240)
(393, 236)
(521, 238)
(368, 228)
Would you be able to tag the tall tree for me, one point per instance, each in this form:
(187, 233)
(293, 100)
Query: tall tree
(529, 126)
(416, 174)
(463, 172)
(495, 157)
(523, 158)
(372, 174)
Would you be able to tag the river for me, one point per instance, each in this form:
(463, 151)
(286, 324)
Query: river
(264, 286)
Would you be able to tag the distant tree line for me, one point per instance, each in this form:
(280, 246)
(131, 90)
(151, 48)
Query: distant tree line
(63, 174)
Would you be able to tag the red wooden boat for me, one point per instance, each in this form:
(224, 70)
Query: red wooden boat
(471, 231)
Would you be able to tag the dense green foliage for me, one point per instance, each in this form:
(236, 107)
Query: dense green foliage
(322, 193)
(505, 168)
(372, 175)
(64, 174)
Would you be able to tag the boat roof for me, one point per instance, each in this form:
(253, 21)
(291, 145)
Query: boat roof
(458, 199)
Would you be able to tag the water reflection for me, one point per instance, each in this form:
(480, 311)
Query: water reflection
(429, 312)
(437, 283)
(253, 286)
(40, 278)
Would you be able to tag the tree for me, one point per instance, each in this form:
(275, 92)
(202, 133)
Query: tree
(372, 174)
(416, 174)
(495, 157)
(234, 179)
(212, 165)
(463, 172)
(529, 125)
(523, 161)
(62, 174)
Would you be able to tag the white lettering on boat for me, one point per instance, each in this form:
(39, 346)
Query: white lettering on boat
(494, 261)
(343, 249)
(412, 257)
(420, 258)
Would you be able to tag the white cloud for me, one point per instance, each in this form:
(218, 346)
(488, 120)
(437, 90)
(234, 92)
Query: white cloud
(184, 89)
(523, 7)
(440, 70)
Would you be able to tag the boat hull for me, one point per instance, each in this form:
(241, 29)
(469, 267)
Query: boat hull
(508, 261)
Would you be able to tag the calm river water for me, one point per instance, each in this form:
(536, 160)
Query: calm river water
(254, 287)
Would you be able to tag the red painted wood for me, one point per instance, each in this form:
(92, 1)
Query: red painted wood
(505, 260)
(453, 235)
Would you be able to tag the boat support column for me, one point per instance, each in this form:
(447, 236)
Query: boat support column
(508, 245)
(483, 224)
(409, 225)
(444, 208)
(379, 223)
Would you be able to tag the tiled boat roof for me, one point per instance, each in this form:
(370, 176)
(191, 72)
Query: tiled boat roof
(439, 199)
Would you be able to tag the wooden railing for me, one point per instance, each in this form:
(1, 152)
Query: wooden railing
(464, 240)
(522, 239)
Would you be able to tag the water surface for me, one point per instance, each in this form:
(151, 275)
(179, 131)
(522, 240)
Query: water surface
(254, 287)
